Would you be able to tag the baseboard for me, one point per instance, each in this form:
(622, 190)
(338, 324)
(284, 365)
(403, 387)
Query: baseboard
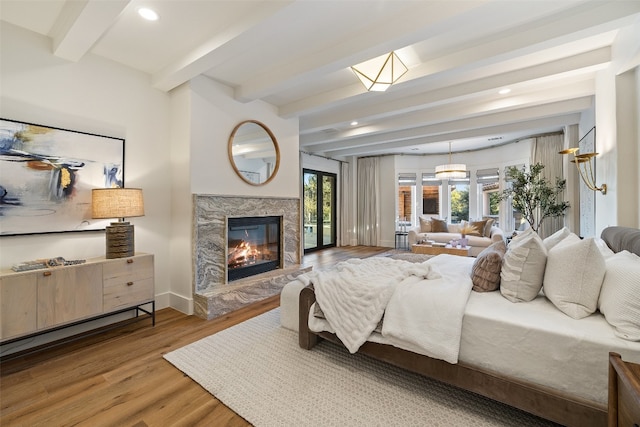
(177, 302)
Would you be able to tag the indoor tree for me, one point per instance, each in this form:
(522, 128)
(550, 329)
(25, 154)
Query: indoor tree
(534, 196)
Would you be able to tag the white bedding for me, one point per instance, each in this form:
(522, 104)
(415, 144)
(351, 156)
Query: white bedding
(535, 342)
(355, 293)
(426, 315)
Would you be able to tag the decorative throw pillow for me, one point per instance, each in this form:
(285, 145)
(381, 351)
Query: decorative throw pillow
(487, 227)
(479, 226)
(619, 300)
(425, 225)
(485, 273)
(523, 267)
(555, 238)
(604, 249)
(438, 225)
(573, 277)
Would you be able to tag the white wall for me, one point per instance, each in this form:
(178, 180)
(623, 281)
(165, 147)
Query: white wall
(182, 276)
(618, 134)
(97, 96)
(214, 114)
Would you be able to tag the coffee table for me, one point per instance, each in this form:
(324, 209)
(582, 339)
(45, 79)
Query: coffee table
(437, 250)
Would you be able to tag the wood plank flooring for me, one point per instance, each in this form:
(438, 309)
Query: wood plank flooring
(119, 378)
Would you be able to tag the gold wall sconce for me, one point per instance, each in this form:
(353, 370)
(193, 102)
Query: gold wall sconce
(584, 163)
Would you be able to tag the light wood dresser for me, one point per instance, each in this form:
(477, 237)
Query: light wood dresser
(624, 392)
(38, 301)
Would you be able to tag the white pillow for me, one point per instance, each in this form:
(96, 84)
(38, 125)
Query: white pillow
(620, 295)
(573, 277)
(604, 249)
(555, 238)
(523, 267)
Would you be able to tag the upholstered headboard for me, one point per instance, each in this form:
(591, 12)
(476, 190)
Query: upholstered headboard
(622, 238)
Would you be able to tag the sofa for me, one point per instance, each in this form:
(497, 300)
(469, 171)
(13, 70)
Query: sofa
(439, 231)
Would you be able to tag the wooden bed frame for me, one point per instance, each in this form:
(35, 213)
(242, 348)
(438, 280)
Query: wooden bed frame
(538, 400)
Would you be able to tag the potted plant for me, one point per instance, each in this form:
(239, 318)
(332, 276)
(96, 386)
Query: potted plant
(534, 196)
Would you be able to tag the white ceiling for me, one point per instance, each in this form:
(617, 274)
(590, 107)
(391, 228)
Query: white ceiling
(296, 55)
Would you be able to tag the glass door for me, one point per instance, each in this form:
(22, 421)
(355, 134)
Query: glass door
(319, 210)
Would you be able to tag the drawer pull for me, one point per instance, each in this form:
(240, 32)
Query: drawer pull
(129, 283)
(46, 273)
(129, 261)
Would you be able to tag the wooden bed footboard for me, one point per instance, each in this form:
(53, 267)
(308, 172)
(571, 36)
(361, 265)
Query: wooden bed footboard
(538, 400)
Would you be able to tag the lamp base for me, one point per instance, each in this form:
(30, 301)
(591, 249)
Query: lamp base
(120, 243)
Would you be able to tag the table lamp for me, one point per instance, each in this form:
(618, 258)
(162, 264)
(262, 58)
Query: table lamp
(118, 203)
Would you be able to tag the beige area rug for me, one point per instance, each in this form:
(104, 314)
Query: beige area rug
(257, 369)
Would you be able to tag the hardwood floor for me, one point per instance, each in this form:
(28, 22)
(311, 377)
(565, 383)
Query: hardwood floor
(119, 378)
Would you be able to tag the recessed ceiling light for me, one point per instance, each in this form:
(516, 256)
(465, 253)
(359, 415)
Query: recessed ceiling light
(504, 91)
(354, 123)
(148, 14)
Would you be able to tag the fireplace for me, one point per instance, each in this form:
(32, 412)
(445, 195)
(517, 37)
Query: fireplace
(253, 246)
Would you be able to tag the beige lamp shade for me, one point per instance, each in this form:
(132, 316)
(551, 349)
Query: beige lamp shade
(116, 203)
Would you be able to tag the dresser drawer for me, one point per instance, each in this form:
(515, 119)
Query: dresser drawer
(127, 282)
(127, 270)
(123, 294)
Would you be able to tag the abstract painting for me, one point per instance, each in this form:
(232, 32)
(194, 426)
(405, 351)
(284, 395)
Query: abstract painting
(47, 174)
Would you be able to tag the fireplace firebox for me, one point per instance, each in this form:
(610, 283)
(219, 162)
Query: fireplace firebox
(253, 246)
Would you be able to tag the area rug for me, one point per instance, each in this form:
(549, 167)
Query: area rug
(257, 369)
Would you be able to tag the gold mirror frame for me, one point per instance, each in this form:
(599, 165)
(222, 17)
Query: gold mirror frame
(246, 175)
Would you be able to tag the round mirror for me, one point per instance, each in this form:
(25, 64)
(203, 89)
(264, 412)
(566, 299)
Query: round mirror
(254, 152)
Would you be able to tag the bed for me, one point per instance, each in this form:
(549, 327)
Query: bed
(529, 355)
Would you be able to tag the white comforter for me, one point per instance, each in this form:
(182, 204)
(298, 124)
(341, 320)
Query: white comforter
(424, 303)
(425, 316)
(353, 295)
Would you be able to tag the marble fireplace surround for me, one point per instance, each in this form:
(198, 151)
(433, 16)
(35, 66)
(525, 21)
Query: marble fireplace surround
(213, 296)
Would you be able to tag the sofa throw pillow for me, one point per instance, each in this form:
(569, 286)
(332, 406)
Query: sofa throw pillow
(555, 238)
(523, 268)
(485, 273)
(619, 300)
(573, 276)
(425, 225)
(438, 225)
(487, 227)
(479, 226)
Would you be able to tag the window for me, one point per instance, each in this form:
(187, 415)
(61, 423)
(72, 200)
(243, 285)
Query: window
(406, 191)
(319, 211)
(489, 191)
(459, 199)
(514, 218)
(431, 194)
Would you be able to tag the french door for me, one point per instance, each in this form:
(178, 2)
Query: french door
(319, 210)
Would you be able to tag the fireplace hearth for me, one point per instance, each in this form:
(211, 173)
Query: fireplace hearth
(213, 294)
(253, 246)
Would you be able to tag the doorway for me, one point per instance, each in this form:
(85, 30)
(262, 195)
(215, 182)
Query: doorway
(319, 211)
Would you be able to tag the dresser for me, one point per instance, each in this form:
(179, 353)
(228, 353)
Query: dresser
(40, 301)
(624, 392)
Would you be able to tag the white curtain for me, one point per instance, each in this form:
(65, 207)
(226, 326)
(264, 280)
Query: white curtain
(545, 150)
(346, 205)
(368, 187)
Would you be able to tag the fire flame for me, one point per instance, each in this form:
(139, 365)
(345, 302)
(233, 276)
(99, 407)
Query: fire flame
(242, 254)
